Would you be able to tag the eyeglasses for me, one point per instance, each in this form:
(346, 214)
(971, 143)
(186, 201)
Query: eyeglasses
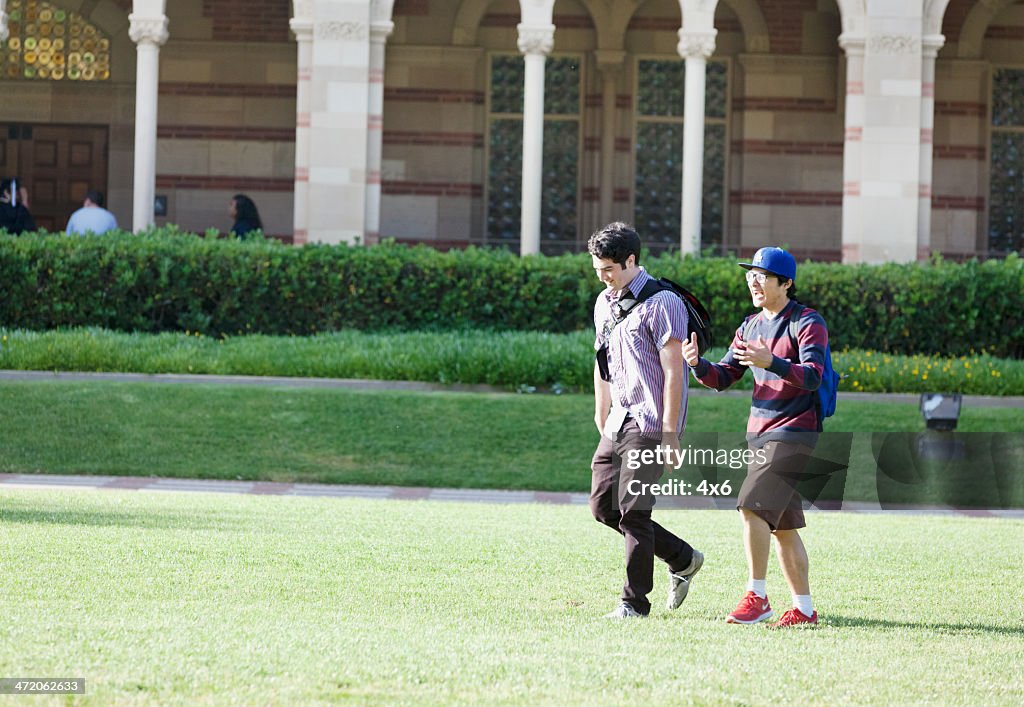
(759, 276)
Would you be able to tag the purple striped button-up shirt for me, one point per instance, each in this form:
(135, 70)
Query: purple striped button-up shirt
(638, 381)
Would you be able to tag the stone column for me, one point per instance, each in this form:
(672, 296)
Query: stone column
(852, 146)
(695, 46)
(609, 63)
(930, 46)
(883, 216)
(535, 42)
(379, 32)
(148, 29)
(339, 116)
(302, 25)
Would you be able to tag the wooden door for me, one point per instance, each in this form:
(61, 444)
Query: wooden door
(58, 164)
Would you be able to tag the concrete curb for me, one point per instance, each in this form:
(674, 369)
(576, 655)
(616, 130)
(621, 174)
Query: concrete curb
(399, 493)
(987, 401)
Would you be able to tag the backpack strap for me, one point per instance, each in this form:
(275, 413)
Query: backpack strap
(627, 303)
(619, 311)
(748, 327)
(794, 327)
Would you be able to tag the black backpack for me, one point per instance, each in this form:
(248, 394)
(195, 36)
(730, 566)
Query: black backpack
(697, 317)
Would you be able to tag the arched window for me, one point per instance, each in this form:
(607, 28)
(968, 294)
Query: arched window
(559, 204)
(659, 151)
(52, 44)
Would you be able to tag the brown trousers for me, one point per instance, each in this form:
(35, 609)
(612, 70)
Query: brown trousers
(613, 504)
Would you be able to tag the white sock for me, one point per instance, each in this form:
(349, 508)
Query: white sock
(759, 587)
(802, 602)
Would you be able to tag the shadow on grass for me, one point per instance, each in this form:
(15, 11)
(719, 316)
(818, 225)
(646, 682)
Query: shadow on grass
(161, 520)
(965, 628)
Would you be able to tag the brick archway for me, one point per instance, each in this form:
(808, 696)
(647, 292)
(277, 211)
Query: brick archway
(972, 34)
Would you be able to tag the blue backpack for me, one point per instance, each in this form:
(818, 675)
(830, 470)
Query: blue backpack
(829, 388)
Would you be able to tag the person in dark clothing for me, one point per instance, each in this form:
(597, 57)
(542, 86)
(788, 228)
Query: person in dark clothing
(246, 216)
(14, 214)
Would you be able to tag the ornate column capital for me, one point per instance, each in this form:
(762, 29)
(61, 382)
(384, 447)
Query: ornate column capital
(696, 43)
(852, 44)
(536, 39)
(894, 44)
(380, 31)
(301, 22)
(148, 30)
(931, 44)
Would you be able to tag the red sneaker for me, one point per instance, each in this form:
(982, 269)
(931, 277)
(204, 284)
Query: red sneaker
(750, 610)
(795, 617)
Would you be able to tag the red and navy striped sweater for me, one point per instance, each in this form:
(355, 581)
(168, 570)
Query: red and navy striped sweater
(783, 403)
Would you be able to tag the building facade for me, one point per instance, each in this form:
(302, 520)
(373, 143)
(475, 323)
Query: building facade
(846, 129)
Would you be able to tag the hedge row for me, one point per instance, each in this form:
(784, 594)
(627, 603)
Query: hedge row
(169, 281)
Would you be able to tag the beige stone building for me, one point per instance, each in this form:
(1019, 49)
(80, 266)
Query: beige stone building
(863, 130)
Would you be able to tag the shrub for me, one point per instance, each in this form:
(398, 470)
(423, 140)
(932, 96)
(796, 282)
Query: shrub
(165, 280)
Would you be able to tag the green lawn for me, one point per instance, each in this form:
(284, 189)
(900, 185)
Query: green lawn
(201, 598)
(460, 440)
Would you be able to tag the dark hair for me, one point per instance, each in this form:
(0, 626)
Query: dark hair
(791, 292)
(616, 242)
(6, 185)
(95, 197)
(245, 210)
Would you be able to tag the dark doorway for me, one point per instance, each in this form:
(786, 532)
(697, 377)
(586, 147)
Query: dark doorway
(57, 164)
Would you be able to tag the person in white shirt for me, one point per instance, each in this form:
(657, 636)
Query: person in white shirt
(92, 217)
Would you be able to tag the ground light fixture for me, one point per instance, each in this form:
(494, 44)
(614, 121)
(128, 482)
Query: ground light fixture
(940, 410)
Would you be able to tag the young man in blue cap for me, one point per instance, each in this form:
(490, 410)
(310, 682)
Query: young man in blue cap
(784, 345)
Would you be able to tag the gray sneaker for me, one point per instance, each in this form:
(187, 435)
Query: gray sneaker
(679, 582)
(624, 611)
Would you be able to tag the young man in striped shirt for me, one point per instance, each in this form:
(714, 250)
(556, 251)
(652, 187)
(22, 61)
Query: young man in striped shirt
(782, 428)
(639, 407)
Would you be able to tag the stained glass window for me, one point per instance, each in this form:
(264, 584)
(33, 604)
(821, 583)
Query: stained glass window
(505, 178)
(508, 75)
(659, 151)
(661, 88)
(50, 43)
(559, 191)
(562, 86)
(1008, 98)
(1006, 198)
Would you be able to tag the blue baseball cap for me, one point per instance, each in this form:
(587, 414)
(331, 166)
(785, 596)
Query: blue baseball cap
(774, 260)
